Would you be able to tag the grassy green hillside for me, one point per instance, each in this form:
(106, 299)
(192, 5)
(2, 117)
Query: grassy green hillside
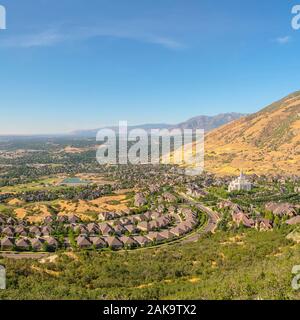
(248, 265)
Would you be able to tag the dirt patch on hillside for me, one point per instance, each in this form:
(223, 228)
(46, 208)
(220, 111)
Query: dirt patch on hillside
(15, 202)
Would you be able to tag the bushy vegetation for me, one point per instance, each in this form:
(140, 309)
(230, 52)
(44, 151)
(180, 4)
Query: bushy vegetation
(245, 265)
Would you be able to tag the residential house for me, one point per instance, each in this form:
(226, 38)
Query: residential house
(148, 216)
(114, 243)
(98, 242)
(73, 219)
(281, 209)
(48, 220)
(141, 240)
(153, 225)
(155, 215)
(103, 216)
(8, 231)
(37, 243)
(7, 243)
(139, 200)
(21, 231)
(81, 228)
(119, 229)
(139, 218)
(23, 244)
(161, 208)
(196, 191)
(166, 234)
(242, 218)
(92, 228)
(51, 242)
(83, 242)
(106, 229)
(155, 237)
(293, 221)
(46, 230)
(162, 222)
(144, 226)
(128, 242)
(2, 220)
(131, 228)
(178, 231)
(62, 219)
(35, 231)
(169, 197)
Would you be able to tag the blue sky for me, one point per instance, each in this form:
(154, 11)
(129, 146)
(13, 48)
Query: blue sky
(77, 64)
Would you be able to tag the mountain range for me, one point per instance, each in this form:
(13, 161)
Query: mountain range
(207, 123)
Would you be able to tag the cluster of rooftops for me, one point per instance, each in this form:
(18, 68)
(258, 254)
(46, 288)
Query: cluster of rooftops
(111, 230)
(239, 217)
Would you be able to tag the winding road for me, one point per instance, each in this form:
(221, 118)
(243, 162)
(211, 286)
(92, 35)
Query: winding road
(211, 225)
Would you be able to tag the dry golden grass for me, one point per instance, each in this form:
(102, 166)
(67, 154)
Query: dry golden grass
(15, 202)
(20, 213)
(81, 208)
(36, 212)
(264, 143)
(47, 271)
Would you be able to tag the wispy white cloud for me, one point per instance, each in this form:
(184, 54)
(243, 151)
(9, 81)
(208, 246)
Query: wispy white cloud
(283, 40)
(55, 36)
(167, 42)
(43, 39)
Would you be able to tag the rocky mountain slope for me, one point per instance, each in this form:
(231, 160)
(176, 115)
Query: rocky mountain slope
(265, 142)
(209, 123)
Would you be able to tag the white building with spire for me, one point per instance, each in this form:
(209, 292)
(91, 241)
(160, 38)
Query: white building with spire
(241, 183)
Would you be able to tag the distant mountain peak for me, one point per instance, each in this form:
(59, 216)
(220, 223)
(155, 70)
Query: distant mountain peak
(207, 123)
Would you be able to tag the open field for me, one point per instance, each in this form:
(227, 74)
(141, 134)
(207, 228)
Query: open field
(36, 212)
(42, 184)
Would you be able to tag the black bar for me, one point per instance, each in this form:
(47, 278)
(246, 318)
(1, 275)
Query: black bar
(146, 309)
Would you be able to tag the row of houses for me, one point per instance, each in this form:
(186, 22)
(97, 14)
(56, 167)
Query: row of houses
(140, 199)
(88, 242)
(88, 238)
(282, 209)
(115, 230)
(241, 218)
(90, 228)
(123, 216)
(8, 220)
(24, 243)
(116, 243)
(21, 230)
